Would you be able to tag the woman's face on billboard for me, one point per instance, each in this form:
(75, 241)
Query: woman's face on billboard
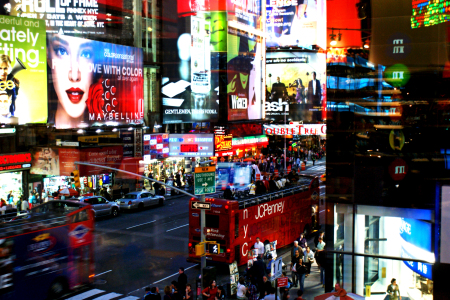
(70, 59)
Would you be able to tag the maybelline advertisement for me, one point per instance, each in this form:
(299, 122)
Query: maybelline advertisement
(93, 82)
(61, 16)
(244, 76)
(23, 96)
(299, 23)
(296, 86)
(191, 91)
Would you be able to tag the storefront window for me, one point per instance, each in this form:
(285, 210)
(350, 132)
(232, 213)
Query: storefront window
(11, 182)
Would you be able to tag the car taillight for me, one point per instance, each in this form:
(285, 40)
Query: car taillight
(129, 202)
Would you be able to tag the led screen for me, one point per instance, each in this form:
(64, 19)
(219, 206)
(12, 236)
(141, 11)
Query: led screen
(427, 13)
(23, 94)
(294, 92)
(93, 82)
(299, 23)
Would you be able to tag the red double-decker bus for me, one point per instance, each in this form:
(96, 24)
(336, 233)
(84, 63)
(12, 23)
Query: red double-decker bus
(235, 224)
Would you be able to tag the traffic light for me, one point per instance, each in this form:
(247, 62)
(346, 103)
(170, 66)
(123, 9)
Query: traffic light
(76, 178)
(200, 249)
(214, 248)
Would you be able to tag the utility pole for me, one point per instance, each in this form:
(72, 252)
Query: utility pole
(202, 236)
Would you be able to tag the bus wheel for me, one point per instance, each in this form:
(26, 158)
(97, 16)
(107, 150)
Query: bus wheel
(57, 289)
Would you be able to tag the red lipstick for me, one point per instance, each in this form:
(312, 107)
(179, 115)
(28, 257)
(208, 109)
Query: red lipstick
(75, 95)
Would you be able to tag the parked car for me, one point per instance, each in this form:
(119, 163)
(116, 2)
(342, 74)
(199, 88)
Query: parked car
(101, 206)
(139, 200)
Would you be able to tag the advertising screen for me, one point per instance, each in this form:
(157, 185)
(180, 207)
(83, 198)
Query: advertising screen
(23, 96)
(156, 146)
(297, 85)
(308, 17)
(68, 17)
(54, 161)
(427, 13)
(93, 82)
(244, 69)
(191, 145)
(190, 86)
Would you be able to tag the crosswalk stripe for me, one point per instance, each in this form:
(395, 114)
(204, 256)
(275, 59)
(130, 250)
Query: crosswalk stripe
(87, 294)
(108, 296)
(130, 298)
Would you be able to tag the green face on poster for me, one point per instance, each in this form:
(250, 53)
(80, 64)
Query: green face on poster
(219, 31)
(23, 73)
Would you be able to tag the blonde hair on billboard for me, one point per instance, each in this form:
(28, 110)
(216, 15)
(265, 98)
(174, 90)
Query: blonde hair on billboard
(5, 59)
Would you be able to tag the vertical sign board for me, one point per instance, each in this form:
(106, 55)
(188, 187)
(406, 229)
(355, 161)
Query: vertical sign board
(204, 180)
(445, 223)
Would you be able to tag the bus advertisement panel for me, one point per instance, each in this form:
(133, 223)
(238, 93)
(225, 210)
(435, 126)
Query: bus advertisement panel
(278, 216)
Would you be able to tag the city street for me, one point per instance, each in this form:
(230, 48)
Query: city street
(146, 248)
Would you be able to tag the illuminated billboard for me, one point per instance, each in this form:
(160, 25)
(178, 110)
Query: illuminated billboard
(297, 85)
(191, 145)
(23, 96)
(93, 82)
(427, 13)
(244, 89)
(156, 146)
(190, 91)
(62, 16)
(299, 23)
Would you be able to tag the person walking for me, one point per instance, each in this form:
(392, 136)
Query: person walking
(182, 280)
(302, 242)
(259, 246)
(25, 205)
(301, 273)
(167, 293)
(393, 290)
(295, 261)
(308, 258)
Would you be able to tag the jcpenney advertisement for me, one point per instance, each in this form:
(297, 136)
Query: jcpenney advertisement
(244, 76)
(296, 82)
(23, 58)
(299, 23)
(63, 16)
(93, 82)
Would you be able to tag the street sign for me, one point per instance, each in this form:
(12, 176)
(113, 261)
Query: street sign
(314, 195)
(277, 268)
(200, 205)
(204, 180)
(282, 282)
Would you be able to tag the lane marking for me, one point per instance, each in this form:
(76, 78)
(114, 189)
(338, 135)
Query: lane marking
(177, 227)
(108, 296)
(162, 279)
(130, 298)
(87, 294)
(174, 274)
(103, 273)
(141, 224)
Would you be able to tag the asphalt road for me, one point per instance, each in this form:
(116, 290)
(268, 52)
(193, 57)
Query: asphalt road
(142, 248)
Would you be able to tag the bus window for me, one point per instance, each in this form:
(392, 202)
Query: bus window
(236, 225)
(80, 216)
(212, 221)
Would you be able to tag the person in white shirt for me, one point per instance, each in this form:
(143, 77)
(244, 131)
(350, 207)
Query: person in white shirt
(259, 246)
(241, 289)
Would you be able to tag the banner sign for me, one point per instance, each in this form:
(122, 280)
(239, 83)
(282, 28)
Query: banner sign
(93, 82)
(54, 161)
(23, 94)
(107, 156)
(64, 16)
(128, 141)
